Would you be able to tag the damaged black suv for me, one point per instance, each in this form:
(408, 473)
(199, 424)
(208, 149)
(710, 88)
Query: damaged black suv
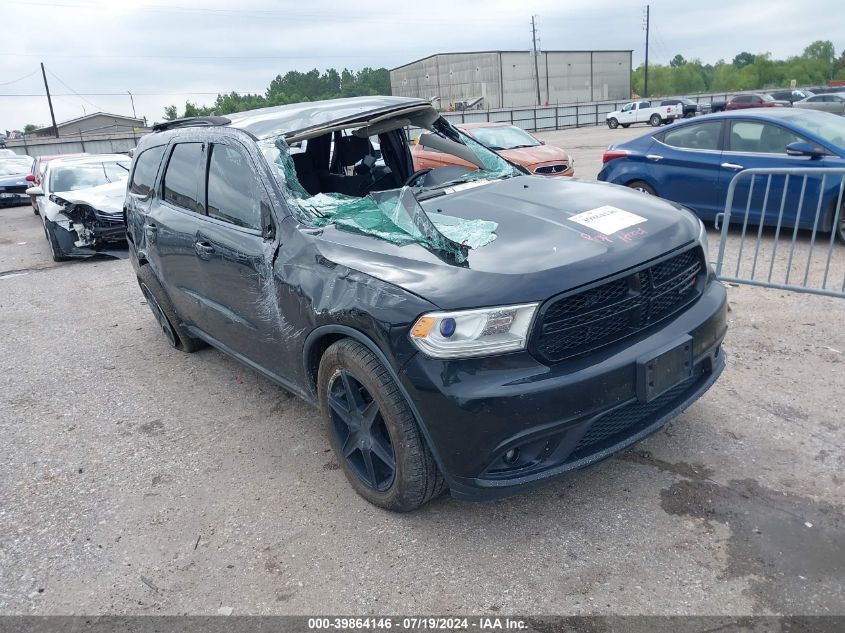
(471, 328)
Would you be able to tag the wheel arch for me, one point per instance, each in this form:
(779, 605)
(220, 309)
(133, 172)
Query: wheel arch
(321, 338)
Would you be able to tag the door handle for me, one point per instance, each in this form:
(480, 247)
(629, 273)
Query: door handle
(732, 166)
(203, 249)
(150, 227)
(654, 157)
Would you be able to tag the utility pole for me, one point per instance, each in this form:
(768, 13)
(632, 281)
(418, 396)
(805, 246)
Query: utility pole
(132, 99)
(534, 47)
(646, 49)
(49, 100)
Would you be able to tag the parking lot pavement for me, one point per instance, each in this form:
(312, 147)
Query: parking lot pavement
(587, 144)
(138, 479)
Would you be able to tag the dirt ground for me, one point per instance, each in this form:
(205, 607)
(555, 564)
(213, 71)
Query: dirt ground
(135, 479)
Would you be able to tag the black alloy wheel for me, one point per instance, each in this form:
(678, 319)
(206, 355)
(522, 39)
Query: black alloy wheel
(360, 431)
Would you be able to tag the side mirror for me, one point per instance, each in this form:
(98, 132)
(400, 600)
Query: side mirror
(30, 178)
(35, 191)
(802, 148)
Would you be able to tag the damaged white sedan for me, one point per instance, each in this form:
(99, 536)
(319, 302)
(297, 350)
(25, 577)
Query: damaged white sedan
(80, 201)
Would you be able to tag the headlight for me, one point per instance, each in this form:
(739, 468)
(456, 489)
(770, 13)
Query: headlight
(469, 333)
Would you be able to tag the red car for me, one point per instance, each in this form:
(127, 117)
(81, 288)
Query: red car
(509, 141)
(741, 102)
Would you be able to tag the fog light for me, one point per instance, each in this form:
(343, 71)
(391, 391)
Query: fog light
(511, 456)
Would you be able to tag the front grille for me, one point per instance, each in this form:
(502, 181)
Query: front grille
(627, 420)
(577, 323)
(551, 169)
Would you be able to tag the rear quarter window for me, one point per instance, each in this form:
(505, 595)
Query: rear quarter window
(146, 168)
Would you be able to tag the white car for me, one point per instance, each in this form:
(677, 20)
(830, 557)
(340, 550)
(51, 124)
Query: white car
(643, 112)
(80, 201)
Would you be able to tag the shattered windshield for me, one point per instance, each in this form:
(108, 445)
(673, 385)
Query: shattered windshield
(347, 179)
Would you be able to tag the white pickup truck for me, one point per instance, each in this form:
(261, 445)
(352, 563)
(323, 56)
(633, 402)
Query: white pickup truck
(643, 112)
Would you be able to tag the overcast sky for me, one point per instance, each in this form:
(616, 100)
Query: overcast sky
(169, 52)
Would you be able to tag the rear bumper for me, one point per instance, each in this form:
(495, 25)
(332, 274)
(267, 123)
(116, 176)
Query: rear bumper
(561, 417)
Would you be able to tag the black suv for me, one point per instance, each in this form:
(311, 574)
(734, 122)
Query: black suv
(471, 328)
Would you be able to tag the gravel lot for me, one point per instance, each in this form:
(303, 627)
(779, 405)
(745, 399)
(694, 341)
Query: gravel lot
(137, 479)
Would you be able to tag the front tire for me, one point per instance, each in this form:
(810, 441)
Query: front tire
(642, 187)
(655, 120)
(373, 431)
(840, 228)
(612, 123)
(158, 301)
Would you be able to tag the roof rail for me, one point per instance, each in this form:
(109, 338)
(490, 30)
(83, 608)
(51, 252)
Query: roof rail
(190, 121)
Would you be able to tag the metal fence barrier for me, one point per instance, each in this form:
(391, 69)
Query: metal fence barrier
(789, 222)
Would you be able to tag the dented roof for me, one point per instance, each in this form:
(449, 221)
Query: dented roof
(298, 117)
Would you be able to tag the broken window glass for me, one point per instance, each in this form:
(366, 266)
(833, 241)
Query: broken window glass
(394, 215)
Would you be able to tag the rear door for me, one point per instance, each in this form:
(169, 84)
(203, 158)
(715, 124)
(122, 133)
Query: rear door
(762, 144)
(234, 247)
(170, 225)
(687, 163)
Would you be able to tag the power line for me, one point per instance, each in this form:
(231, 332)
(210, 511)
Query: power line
(137, 94)
(57, 78)
(6, 83)
(262, 14)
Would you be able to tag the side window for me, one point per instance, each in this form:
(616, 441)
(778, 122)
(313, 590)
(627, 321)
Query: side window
(234, 189)
(182, 176)
(698, 136)
(146, 168)
(763, 138)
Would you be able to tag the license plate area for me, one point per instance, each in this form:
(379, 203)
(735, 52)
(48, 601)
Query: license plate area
(665, 368)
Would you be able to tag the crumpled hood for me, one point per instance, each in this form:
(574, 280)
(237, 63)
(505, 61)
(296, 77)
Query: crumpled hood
(106, 198)
(538, 251)
(528, 156)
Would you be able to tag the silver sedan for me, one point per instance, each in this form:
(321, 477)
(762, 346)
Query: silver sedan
(831, 102)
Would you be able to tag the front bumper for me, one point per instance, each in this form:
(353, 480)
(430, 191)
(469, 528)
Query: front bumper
(560, 417)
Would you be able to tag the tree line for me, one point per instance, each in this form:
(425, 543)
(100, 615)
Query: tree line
(815, 66)
(294, 87)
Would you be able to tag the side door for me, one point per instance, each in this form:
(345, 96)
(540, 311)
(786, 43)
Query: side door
(169, 227)
(643, 111)
(758, 144)
(139, 196)
(234, 246)
(628, 114)
(687, 159)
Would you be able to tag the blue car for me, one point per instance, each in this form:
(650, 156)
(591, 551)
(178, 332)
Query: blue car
(693, 163)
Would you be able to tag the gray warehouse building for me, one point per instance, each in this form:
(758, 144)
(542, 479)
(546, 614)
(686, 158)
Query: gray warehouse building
(507, 78)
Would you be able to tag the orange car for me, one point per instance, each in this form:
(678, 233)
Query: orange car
(511, 142)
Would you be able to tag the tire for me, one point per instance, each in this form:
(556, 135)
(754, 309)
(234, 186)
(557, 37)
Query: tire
(175, 333)
(655, 120)
(840, 230)
(34, 205)
(643, 187)
(626, 125)
(376, 441)
(612, 123)
(55, 250)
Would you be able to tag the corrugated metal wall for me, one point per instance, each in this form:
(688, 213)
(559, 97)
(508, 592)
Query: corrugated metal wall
(93, 144)
(508, 79)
